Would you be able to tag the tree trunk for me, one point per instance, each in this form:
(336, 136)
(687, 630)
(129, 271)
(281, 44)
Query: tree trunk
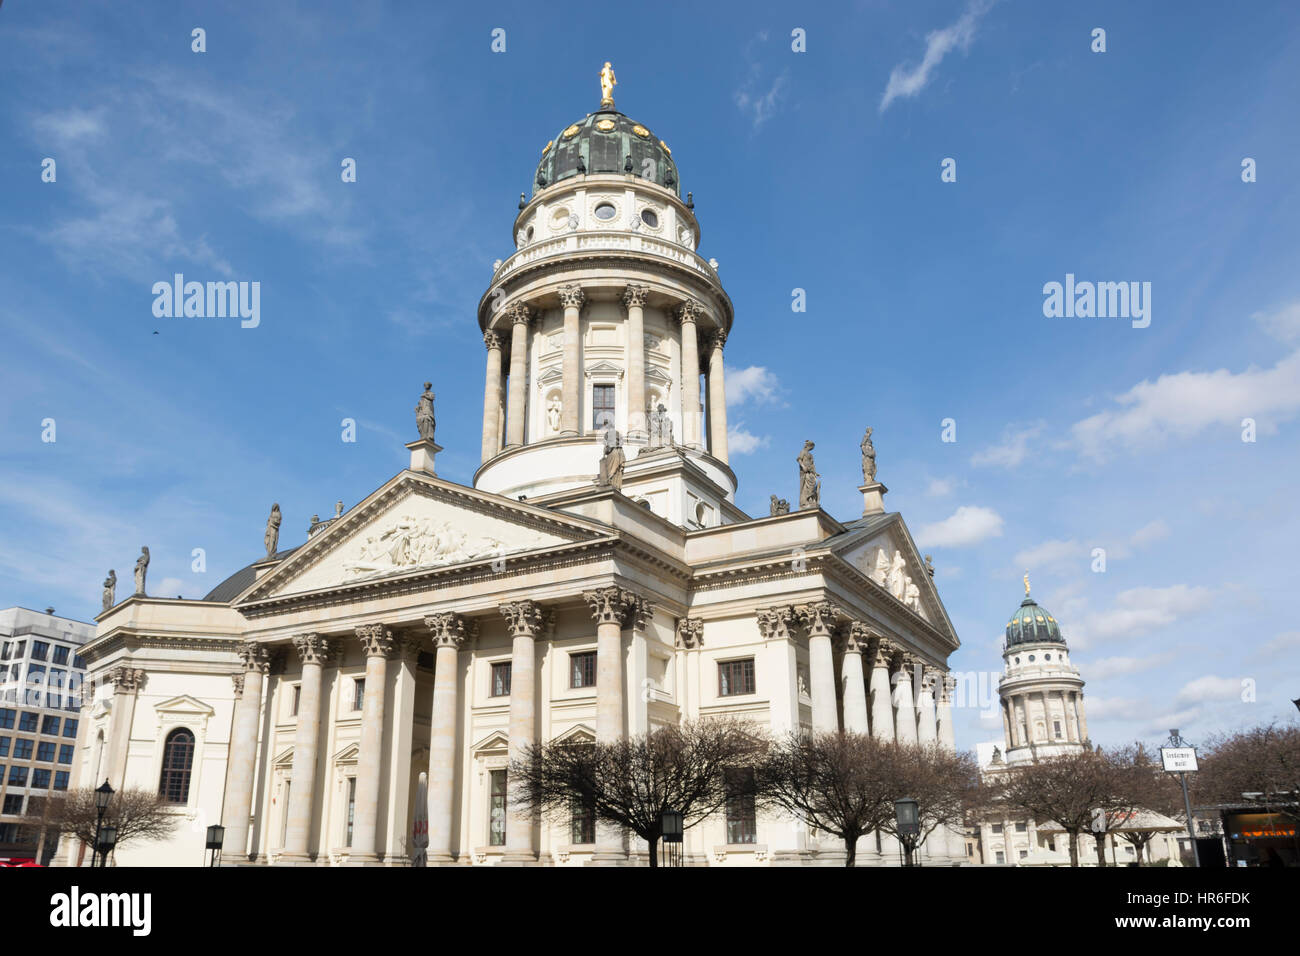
(1100, 838)
(1073, 838)
(654, 852)
(851, 851)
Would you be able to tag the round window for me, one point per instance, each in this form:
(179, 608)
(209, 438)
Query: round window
(606, 211)
(1047, 657)
(530, 232)
(1031, 657)
(650, 218)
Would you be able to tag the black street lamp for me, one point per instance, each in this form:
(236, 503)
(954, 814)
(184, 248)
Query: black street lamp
(671, 829)
(107, 840)
(216, 836)
(102, 797)
(907, 816)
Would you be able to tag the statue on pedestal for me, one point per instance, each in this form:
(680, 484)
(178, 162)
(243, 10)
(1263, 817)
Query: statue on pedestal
(868, 459)
(141, 569)
(810, 486)
(110, 586)
(553, 415)
(607, 84)
(424, 419)
(272, 537)
(779, 506)
(612, 461)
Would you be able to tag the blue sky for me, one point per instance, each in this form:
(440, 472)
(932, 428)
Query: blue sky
(817, 170)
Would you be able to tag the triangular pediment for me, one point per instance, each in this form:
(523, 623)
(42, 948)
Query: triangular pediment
(184, 705)
(493, 742)
(417, 523)
(883, 550)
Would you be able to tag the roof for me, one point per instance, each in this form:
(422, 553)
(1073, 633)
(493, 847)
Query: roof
(1033, 624)
(238, 582)
(606, 142)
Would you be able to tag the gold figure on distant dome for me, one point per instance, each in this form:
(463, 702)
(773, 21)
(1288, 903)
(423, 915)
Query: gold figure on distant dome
(607, 84)
(1026, 584)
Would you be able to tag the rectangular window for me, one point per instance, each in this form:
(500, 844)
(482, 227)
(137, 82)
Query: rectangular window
(70, 728)
(4, 673)
(1001, 857)
(45, 752)
(997, 828)
(736, 677)
(297, 695)
(352, 809)
(22, 749)
(27, 722)
(60, 780)
(741, 825)
(20, 648)
(13, 804)
(497, 809)
(4, 746)
(1021, 826)
(501, 679)
(358, 696)
(5, 651)
(60, 655)
(65, 753)
(6, 718)
(582, 669)
(17, 776)
(41, 779)
(582, 824)
(78, 662)
(602, 406)
(1056, 727)
(40, 650)
(50, 726)
(1023, 854)
(35, 673)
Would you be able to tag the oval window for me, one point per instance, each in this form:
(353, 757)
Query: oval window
(606, 211)
(1031, 657)
(650, 218)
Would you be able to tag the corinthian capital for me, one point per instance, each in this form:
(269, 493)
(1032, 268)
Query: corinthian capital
(689, 311)
(690, 632)
(312, 648)
(859, 638)
(519, 313)
(238, 681)
(376, 640)
(614, 605)
(255, 657)
(126, 679)
(572, 296)
(882, 653)
(491, 340)
(524, 618)
(821, 618)
(450, 629)
(717, 340)
(775, 622)
(635, 295)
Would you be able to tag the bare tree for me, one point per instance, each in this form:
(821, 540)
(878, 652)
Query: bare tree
(631, 782)
(1069, 790)
(139, 815)
(1263, 760)
(845, 784)
(1143, 785)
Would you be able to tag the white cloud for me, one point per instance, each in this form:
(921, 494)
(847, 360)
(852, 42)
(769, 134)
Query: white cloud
(752, 384)
(1210, 688)
(1119, 666)
(969, 524)
(1140, 610)
(743, 442)
(1283, 323)
(907, 81)
(1051, 554)
(68, 126)
(1013, 448)
(1148, 533)
(1181, 404)
(1283, 642)
(941, 487)
(761, 106)
(1115, 708)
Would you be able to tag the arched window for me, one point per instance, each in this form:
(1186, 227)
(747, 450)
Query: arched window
(178, 756)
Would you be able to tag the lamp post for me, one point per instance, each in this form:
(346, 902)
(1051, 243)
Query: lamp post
(107, 840)
(216, 836)
(1178, 756)
(670, 826)
(907, 816)
(102, 796)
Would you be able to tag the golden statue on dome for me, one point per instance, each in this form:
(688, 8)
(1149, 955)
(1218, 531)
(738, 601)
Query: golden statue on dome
(607, 84)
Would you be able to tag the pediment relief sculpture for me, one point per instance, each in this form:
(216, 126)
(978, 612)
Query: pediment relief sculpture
(409, 543)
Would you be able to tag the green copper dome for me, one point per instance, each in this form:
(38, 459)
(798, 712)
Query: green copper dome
(606, 142)
(1032, 624)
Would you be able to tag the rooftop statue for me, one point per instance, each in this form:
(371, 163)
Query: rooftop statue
(424, 419)
(141, 569)
(272, 537)
(868, 459)
(607, 84)
(110, 586)
(810, 486)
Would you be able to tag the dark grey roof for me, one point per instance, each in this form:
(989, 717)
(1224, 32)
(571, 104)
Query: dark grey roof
(237, 583)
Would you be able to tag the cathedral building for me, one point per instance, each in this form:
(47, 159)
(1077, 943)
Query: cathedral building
(596, 579)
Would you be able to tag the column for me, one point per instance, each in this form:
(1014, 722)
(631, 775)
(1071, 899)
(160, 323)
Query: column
(717, 398)
(571, 297)
(525, 621)
(609, 607)
(904, 703)
(926, 721)
(787, 841)
(687, 315)
(492, 396)
(1083, 716)
(243, 748)
(1006, 724)
(820, 620)
(1007, 845)
(634, 297)
(313, 650)
(450, 632)
(855, 688)
(401, 704)
(882, 725)
(126, 684)
(520, 316)
(378, 643)
(954, 838)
